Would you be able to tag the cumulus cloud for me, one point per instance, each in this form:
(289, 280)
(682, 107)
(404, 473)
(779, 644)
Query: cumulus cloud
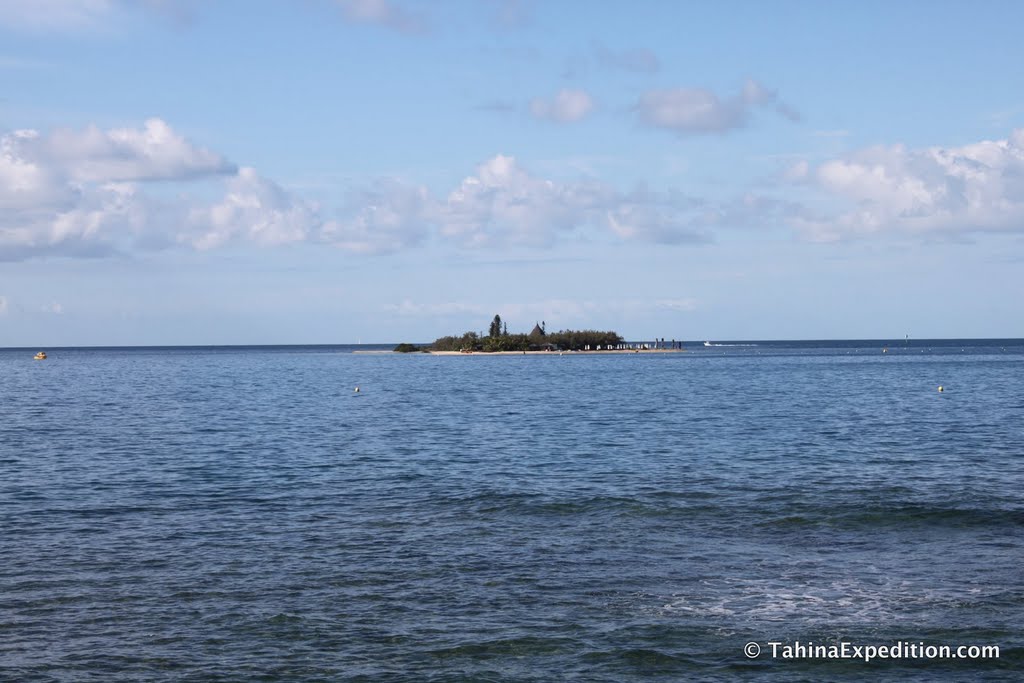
(892, 189)
(91, 225)
(650, 223)
(669, 218)
(567, 106)
(154, 152)
(383, 218)
(81, 194)
(504, 204)
(27, 184)
(382, 13)
(254, 209)
(55, 171)
(94, 192)
(698, 110)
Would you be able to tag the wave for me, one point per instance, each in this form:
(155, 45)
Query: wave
(710, 344)
(898, 516)
(726, 508)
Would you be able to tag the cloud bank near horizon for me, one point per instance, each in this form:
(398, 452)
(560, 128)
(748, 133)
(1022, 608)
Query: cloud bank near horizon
(93, 192)
(930, 192)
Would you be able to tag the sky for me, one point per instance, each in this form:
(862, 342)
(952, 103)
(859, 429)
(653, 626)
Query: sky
(377, 171)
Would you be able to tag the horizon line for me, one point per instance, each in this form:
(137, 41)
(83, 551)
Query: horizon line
(628, 341)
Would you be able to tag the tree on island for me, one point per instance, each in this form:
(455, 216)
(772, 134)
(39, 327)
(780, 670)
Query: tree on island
(495, 329)
(499, 339)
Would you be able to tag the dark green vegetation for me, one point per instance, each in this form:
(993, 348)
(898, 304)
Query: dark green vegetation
(407, 348)
(498, 339)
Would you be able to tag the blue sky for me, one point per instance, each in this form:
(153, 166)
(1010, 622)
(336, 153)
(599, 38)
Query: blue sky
(334, 171)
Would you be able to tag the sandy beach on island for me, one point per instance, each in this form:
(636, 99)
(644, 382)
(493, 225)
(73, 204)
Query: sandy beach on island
(603, 352)
(553, 353)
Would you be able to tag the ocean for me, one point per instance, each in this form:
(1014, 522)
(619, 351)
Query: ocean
(242, 514)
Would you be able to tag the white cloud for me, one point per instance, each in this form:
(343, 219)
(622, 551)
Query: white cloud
(384, 218)
(974, 188)
(633, 222)
(100, 218)
(89, 193)
(154, 152)
(665, 219)
(504, 204)
(254, 209)
(698, 110)
(55, 171)
(77, 193)
(382, 13)
(26, 183)
(567, 106)
(109, 204)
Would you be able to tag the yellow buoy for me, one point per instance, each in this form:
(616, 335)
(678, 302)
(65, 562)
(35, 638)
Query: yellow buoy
(940, 389)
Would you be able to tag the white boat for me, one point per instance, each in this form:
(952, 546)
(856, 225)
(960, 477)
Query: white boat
(707, 343)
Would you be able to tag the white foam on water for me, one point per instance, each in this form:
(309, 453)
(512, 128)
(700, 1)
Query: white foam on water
(839, 602)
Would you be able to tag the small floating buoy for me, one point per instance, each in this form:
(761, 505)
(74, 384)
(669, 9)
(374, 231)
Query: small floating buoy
(357, 390)
(940, 389)
(885, 350)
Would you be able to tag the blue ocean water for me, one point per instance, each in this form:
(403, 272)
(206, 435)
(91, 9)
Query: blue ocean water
(241, 514)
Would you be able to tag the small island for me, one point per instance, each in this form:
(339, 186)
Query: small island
(539, 340)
